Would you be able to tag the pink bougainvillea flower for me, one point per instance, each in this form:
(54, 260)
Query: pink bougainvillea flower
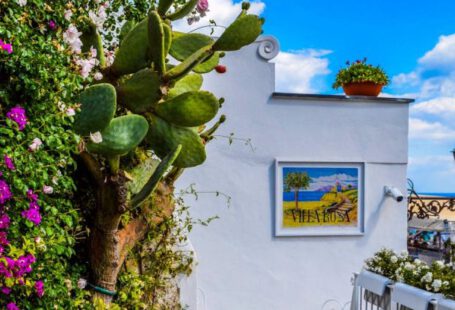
(5, 192)
(17, 115)
(4, 221)
(39, 287)
(6, 47)
(52, 25)
(4, 238)
(9, 162)
(31, 195)
(12, 306)
(202, 6)
(32, 215)
(5, 290)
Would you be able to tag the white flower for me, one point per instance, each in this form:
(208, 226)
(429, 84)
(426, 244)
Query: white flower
(436, 285)
(439, 263)
(55, 180)
(93, 52)
(417, 261)
(445, 283)
(48, 189)
(98, 76)
(96, 137)
(394, 259)
(68, 14)
(98, 18)
(36, 144)
(110, 57)
(427, 277)
(22, 2)
(70, 112)
(409, 266)
(72, 37)
(61, 106)
(81, 283)
(404, 253)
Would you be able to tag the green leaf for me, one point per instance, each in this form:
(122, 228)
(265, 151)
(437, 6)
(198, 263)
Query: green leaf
(156, 41)
(123, 135)
(132, 55)
(191, 82)
(164, 6)
(190, 109)
(98, 104)
(184, 45)
(140, 92)
(243, 31)
(183, 11)
(164, 137)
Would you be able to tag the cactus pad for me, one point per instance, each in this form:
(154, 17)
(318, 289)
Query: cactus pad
(164, 6)
(164, 138)
(156, 41)
(189, 109)
(132, 55)
(243, 31)
(184, 45)
(140, 92)
(123, 134)
(183, 11)
(209, 64)
(98, 105)
(191, 82)
(189, 63)
(91, 38)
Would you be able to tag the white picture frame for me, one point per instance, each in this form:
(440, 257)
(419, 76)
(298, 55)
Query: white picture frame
(319, 209)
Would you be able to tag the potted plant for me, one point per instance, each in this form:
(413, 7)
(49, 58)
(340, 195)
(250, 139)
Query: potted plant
(361, 79)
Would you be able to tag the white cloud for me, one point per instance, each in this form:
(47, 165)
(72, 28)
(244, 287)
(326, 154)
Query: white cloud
(343, 179)
(223, 12)
(420, 129)
(296, 71)
(412, 79)
(442, 56)
(443, 106)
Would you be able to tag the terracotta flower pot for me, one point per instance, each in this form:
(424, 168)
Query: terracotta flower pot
(362, 89)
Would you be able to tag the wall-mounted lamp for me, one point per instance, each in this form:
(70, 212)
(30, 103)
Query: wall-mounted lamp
(393, 192)
(453, 153)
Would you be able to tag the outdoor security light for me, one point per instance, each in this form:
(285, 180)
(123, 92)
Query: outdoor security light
(393, 192)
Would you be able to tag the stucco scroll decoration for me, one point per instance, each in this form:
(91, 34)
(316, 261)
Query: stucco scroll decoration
(269, 47)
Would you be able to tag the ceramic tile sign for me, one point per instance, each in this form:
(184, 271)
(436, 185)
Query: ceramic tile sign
(319, 199)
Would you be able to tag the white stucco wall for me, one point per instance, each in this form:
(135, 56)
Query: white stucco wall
(242, 266)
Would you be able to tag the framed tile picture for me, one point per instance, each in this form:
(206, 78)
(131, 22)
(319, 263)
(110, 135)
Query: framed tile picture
(319, 198)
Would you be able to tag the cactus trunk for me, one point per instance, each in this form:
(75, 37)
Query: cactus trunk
(109, 244)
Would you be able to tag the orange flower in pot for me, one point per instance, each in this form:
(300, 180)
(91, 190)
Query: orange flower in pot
(361, 79)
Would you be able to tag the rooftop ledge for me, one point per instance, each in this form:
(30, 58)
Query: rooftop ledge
(316, 97)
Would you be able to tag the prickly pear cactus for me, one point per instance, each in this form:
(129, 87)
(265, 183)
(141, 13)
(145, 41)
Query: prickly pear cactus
(146, 106)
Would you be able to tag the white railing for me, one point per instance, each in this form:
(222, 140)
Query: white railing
(373, 291)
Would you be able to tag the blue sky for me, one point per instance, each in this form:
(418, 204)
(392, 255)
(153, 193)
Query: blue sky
(414, 41)
(323, 177)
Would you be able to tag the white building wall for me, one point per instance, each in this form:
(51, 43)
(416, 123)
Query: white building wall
(241, 265)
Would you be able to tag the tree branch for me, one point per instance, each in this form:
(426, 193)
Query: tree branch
(93, 167)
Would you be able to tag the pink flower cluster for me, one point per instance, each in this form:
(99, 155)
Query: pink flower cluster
(7, 47)
(10, 268)
(17, 114)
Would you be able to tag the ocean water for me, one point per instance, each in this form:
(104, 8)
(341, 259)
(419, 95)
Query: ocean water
(438, 194)
(303, 196)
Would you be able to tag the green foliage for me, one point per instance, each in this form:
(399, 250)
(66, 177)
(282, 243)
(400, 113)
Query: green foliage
(358, 72)
(296, 180)
(141, 91)
(190, 109)
(184, 45)
(132, 55)
(164, 137)
(437, 277)
(98, 105)
(243, 31)
(39, 76)
(123, 134)
(191, 82)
